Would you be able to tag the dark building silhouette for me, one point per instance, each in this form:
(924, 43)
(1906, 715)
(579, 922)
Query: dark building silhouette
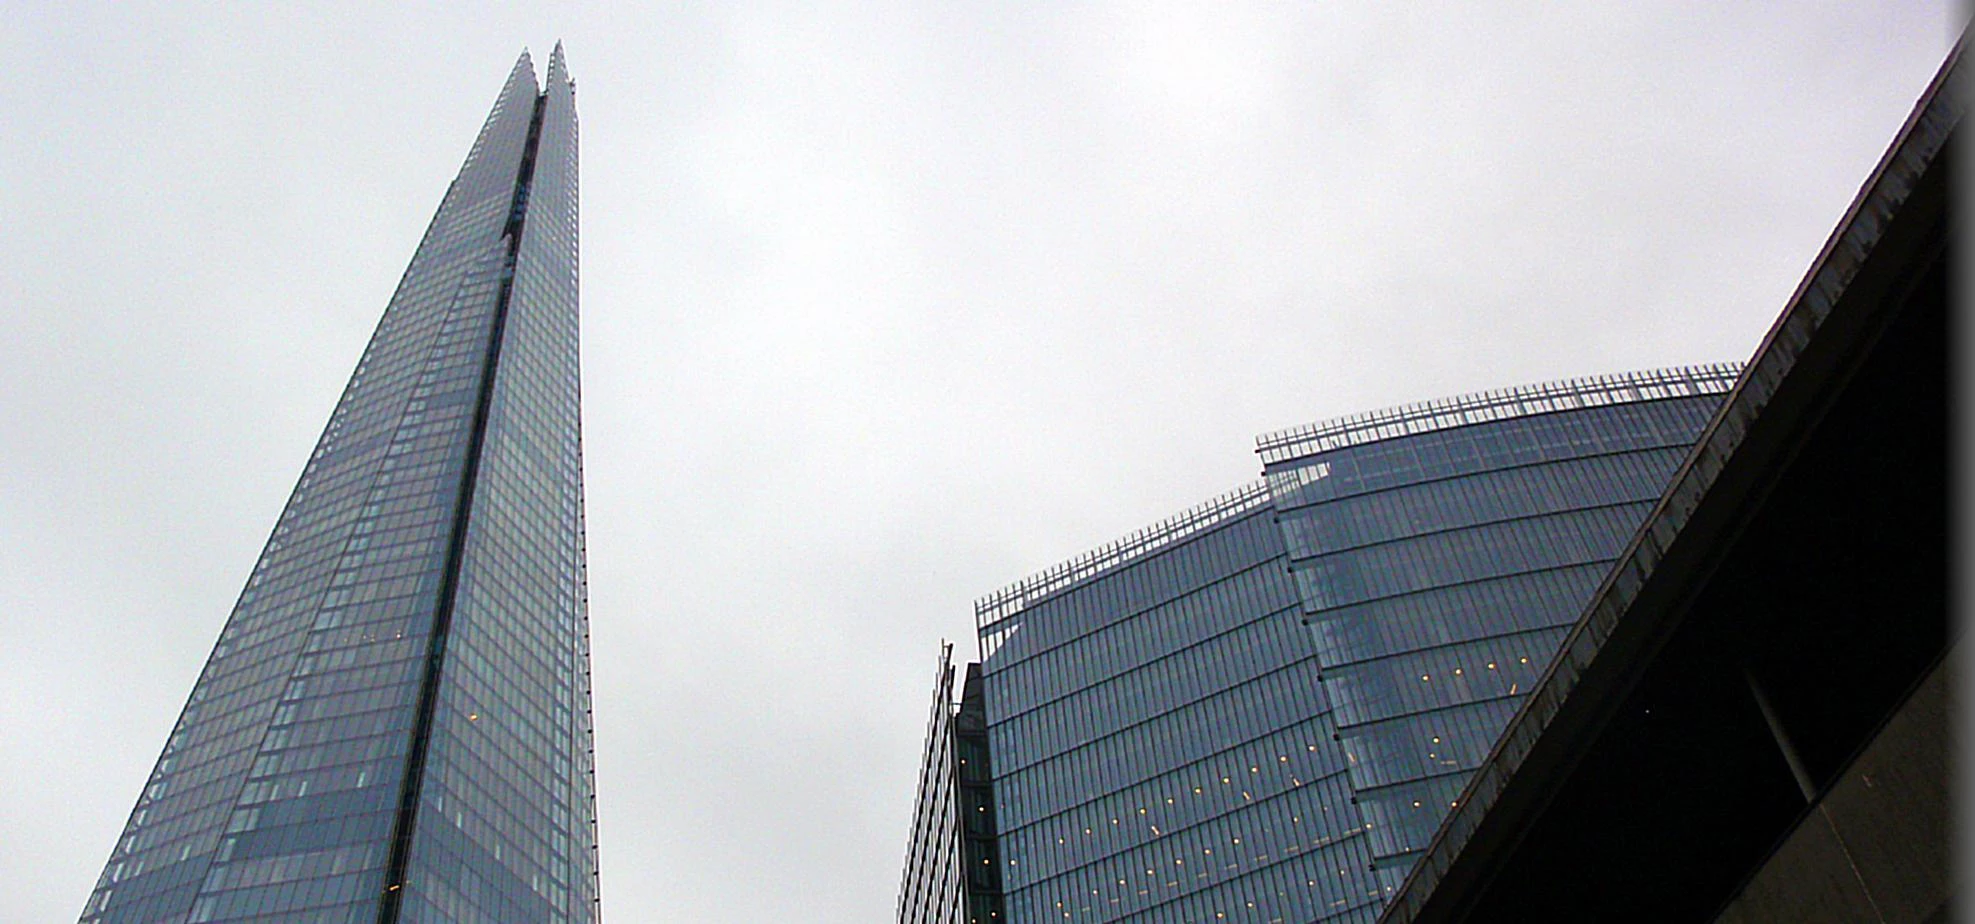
(1259, 709)
(394, 724)
(1750, 719)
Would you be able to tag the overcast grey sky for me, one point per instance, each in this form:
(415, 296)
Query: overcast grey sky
(885, 306)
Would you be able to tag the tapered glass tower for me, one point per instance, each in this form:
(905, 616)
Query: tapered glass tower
(394, 725)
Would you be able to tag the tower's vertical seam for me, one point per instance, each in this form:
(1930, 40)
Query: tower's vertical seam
(404, 825)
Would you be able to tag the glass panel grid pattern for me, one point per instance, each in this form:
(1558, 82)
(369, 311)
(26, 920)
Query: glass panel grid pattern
(280, 787)
(993, 614)
(1440, 561)
(506, 825)
(1162, 748)
(931, 889)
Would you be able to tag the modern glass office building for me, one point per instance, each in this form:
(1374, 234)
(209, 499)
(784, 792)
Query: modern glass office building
(1230, 715)
(931, 891)
(951, 874)
(1160, 746)
(394, 724)
(1441, 552)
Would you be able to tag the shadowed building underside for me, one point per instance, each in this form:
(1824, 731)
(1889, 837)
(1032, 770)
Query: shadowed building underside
(1749, 722)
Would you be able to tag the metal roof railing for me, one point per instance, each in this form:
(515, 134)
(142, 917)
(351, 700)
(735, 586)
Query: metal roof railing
(1022, 594)
(1499, 404)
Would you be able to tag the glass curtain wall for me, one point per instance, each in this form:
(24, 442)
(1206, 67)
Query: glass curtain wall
(1161, 748)
(394, 723)
(930, 890)
(1441, 551)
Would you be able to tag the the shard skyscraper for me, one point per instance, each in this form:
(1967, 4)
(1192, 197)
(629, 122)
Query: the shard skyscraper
(394, 725)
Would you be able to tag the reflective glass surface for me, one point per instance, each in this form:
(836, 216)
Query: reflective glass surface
(1162, 749)
(506, 826)
(283, 790)
(1438, 570)
(930, 890)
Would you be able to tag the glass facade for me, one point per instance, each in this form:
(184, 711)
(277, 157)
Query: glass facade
(1442, 551)
(394, 724)
(1260, 709)
(930, 891)
(951, 872)
(1161, 749)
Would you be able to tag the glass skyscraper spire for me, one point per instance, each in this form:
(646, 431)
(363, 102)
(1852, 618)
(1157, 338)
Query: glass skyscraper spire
(394, 725)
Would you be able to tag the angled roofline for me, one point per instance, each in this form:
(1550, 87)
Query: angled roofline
(993, 609)
(1824, 289)
(1497, 404)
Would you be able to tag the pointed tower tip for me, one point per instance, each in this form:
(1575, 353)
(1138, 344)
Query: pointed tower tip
(558, 68)
(524, 65)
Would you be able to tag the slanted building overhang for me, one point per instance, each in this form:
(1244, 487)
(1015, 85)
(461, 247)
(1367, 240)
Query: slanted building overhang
(1784, 597)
